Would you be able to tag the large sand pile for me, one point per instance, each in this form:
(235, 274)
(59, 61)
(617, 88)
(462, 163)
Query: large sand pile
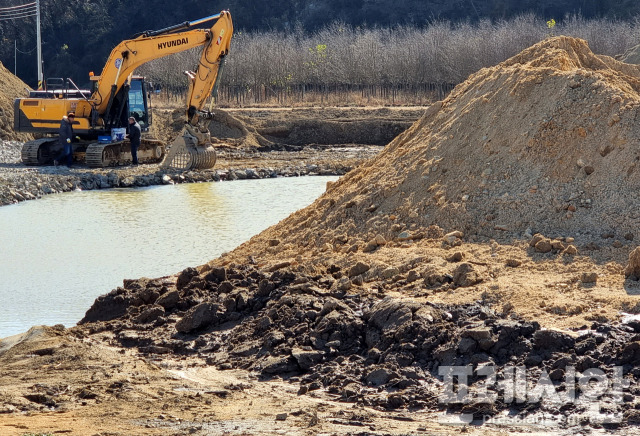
(10, 88)
(545, 142)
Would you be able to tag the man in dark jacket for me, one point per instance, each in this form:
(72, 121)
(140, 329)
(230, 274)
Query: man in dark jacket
(134, 137)
(65, 138)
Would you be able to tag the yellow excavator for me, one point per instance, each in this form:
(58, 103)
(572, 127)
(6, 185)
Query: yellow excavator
(101, 114)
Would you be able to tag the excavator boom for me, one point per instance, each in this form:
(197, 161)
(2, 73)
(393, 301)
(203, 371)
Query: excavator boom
(193, 148)
(130, 54)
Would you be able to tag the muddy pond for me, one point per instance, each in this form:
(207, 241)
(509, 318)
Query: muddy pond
(57, 254)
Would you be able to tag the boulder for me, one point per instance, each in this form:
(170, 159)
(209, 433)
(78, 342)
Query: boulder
(306, 359)
(358, 268)
(169, 299)
(465, 275)
(150, 314)
(198, 317)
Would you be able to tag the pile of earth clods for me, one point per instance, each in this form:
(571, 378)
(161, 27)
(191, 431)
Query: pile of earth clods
(545, 142)
(366, 348)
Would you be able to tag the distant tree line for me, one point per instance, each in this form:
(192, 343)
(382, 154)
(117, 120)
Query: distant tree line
(78, 35)
(404, 64)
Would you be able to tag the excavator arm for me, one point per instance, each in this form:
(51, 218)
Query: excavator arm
(130, 54)
(204, 80)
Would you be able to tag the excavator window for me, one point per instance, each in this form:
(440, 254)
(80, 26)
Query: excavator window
(138, 104)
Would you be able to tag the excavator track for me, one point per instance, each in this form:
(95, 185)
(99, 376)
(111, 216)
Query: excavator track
(100, 155)
(38, 151)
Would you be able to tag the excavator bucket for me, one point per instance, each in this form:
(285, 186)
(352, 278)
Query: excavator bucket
(184, 154)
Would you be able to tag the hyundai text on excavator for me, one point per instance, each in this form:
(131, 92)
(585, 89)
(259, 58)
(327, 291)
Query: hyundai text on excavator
(117, 94)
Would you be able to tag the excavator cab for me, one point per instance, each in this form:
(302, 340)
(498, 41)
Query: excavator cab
(132, 100)
(140, 103)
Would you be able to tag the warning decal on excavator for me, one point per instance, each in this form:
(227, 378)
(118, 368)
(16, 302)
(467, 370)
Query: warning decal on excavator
(118, 63)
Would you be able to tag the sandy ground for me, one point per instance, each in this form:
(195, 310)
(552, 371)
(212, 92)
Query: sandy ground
(78, 381)
(497, 230)
(58, 381)
(82, 386)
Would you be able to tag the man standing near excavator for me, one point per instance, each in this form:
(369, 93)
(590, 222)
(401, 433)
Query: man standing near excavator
(65, 138)
(134, 137)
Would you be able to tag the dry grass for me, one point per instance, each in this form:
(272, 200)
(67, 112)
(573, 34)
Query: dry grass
(166, 100)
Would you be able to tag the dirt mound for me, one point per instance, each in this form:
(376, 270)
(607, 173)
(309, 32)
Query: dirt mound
(10, 88)
(292, 129)
(545, 142)
(371, 290)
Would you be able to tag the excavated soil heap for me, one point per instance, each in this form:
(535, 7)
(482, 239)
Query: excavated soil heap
(546, 142)
(10, 88)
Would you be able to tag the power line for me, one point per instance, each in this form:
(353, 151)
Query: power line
(25, 11)
(16, 17)
(15, 12)
(25, 52)
(17, 7)
(18, 11)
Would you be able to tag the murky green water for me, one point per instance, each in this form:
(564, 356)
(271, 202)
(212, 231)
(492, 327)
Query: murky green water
(59, 253)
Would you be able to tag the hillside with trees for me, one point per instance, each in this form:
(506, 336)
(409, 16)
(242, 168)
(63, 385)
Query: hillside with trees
(282, 50)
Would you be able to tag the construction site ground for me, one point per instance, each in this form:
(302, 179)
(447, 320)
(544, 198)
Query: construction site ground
(497, 230)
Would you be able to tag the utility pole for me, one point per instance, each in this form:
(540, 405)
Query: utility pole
(15, 57)
(40, 77)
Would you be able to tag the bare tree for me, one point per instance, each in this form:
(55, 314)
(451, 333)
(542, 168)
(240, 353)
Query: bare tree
(284, 68)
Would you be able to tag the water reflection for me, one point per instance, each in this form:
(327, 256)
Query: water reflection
(59, 253)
